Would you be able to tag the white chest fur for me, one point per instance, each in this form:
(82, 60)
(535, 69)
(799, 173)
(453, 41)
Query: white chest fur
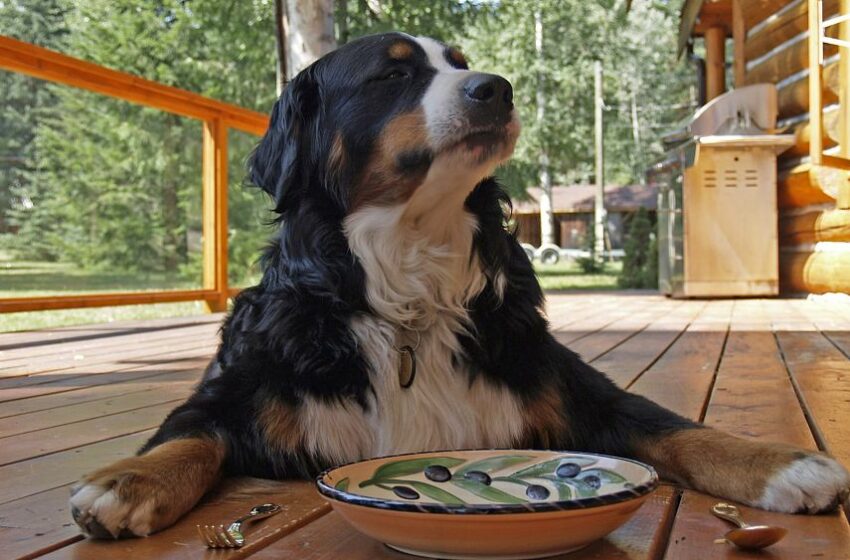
(417, 282)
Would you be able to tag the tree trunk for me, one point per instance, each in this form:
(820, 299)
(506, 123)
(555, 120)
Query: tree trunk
(342, 21)
(308, 28)
(547, 225)
(599, 205)
(280, 44)
(638, 159)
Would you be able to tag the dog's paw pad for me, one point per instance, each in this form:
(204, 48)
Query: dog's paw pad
(812, 483)
(102, 514)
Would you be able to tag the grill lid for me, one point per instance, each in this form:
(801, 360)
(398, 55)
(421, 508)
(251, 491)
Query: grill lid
(748, 110)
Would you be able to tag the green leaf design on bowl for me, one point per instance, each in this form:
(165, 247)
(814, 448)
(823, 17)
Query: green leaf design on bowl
(548, 467)
(342, 485)
(565, 489)
(492, 464)
(407, 467)
(575, 488)
(487, 492)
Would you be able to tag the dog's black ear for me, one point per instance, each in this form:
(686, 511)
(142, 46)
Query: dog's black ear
(278, 164)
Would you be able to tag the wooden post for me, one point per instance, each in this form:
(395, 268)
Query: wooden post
(214, 188)
(599, 204)
(547, 212)
(815, 79)
(739, 38)
(715, 62)
(843, 200)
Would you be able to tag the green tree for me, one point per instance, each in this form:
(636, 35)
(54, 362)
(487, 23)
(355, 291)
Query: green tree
(24, 100)
(640, 264)
(117, 185)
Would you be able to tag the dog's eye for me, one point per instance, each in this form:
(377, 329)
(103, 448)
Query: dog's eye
(393, 75)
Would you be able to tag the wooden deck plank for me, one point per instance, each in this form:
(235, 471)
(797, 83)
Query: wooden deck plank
(37, 523)
(36, 475)
(96, 395)
(753, 398)
(32, 341)
(630, 359)
(598, 320)
(194, 358)
(68, 436)
(604, 340)
(119, 354)
(822, 375)
(178, 387)
(681, 379)
(160, 354)
(302, 504)
(48, 349)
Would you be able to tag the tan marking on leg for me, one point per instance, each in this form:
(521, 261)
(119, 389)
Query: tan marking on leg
(382, 182)
(716, 462)
(147, 493)
(279, 425)
(545, 422)
(400, 50)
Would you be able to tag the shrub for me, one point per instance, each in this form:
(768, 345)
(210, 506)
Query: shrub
(640, 264)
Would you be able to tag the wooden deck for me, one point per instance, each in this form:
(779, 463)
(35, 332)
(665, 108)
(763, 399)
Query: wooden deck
(73, 399)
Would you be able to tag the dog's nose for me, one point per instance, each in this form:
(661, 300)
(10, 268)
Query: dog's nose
(489, 90)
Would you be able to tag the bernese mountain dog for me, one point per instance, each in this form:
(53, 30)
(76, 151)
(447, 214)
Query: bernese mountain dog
(397, 313)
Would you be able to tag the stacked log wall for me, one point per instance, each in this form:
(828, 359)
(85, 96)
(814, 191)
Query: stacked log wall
(814, 233)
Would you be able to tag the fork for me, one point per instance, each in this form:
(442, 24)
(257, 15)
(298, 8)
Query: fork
(217, 536)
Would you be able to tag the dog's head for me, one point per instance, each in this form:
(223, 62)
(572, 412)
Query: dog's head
(385, 120)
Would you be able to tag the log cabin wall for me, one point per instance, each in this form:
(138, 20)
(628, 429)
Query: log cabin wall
(771, 45)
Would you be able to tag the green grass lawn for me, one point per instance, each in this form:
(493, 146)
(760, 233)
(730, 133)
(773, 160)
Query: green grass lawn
(25, 278)
(568, 276)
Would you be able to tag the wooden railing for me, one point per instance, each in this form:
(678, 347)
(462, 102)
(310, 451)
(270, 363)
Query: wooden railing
(817, 39)
(217, 119)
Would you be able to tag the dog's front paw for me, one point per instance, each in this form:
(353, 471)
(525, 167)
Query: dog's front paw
(811, 483)
(141, 495)
(121, 502)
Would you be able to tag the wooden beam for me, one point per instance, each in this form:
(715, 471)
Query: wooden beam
(802, 131)
(843, 199)
(739, 38)
(715, 62)
(815, 272)
(794, 97)
(13, 305)
(815, 77)
(780, 28)
(800, 186)
(757, 11)
(214, 201)
(815, 226)
(18, 56)
(788, 61)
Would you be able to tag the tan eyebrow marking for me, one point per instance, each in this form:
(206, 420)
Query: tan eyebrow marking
(456, 57)
(400, 50)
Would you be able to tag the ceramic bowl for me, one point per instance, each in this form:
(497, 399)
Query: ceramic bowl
(500, 504)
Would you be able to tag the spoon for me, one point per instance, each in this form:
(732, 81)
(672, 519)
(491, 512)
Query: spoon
(751, 537)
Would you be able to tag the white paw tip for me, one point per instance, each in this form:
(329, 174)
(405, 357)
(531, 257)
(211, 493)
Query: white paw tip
(810, 484)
